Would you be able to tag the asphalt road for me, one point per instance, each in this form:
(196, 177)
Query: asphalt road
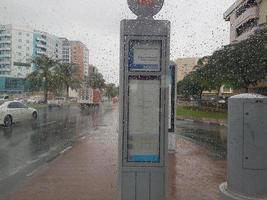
(28, 145)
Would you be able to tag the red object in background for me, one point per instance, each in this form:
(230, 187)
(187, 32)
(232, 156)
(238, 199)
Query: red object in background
(96, 96)
(145, 2)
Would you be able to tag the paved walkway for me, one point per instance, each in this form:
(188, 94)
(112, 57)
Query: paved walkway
(88, 171)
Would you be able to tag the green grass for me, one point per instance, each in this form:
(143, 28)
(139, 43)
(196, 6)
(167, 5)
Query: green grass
(37, 106)
(195, 113)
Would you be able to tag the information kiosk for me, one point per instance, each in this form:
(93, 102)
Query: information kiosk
(144, 123)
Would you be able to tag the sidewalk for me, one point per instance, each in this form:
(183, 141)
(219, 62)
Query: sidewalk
(88, 171)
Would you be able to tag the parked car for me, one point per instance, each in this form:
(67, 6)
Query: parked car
(15, 111)
(36, 99)
(56, 102)
(4, 98)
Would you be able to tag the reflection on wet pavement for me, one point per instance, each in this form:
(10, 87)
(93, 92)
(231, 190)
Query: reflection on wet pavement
(212, 137)
(28, 142)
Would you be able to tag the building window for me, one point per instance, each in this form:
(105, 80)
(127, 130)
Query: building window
(28, 48)
(20, 40)
(20, 33)
(28, 34)
(243, 8)
(246, 26)
(19, 47)
(28, 41)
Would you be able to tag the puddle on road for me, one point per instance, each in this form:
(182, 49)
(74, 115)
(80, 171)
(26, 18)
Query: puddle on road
(212, 137)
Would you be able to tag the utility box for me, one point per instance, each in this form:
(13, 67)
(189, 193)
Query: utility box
(247, 148)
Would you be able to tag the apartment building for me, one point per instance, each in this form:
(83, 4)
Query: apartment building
(80, 56)
(245, 16)
(185, 66)
(16, 50)
(18, 46)
(66, 50)
(46, 44)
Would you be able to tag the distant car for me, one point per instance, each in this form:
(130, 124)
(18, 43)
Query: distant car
(56, 102)
(4, 98)
(15, 111)
(36, 99)
(221, 101)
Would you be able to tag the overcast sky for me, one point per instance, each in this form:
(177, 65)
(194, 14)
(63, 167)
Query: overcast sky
(198, 27)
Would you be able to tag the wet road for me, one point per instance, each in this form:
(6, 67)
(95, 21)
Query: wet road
(28, 145)
(212, 137)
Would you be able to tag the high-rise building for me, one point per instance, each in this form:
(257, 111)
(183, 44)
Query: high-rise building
(18, 46)
(245, 16)
(47, 44)
(80, 57)
(66, 50)
(185, 66)
(16, 49)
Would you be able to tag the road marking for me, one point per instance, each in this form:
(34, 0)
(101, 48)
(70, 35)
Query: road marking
(33, 161)
(43, 155)
(67, 149)
(31, 173)
(48, 123)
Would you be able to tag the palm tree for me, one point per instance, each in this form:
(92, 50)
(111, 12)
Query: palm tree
(66, 74)
(43, 75)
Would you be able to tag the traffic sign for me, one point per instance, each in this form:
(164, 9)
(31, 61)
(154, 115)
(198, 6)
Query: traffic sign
(145, 8)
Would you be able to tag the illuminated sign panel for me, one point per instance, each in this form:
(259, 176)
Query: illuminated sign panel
(145, 56)
(144, 119)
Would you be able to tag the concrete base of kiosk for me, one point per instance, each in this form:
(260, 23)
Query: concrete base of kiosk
(225, 194)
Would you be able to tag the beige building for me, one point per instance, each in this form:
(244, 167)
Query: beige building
(245, 16)
(185, 66)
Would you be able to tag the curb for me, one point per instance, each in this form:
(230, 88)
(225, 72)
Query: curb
(215, 123)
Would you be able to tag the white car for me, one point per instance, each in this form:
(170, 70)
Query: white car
(35, 99)
(56, 102)
(15, 111)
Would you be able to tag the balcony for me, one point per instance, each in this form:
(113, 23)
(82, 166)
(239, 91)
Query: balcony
(5, 62)
(5, 49)
(250, 13)
(41, 39)
(5, 41)
(41, 46)
(246, 34)
(40, 52)
(5, 56)
(5, 34)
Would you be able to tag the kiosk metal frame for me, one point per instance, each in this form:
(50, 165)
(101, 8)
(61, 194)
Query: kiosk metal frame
(143, 179)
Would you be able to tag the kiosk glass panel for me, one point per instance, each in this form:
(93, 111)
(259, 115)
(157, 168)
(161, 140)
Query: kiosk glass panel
(144, 119)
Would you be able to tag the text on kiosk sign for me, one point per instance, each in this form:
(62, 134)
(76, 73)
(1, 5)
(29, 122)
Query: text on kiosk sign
(146, 56)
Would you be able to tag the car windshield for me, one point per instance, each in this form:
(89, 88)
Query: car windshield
(133, 99)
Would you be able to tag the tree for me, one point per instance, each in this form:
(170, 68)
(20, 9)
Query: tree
(247, 61)
(96, 80)
(43, 75)
(111, 90)
(189, 87)
(66, 77)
